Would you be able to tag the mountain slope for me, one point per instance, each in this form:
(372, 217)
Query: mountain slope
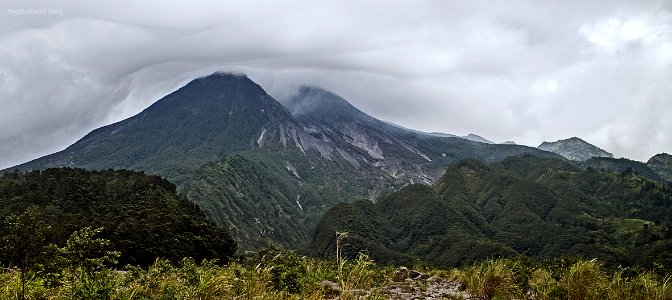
(404, 154)
(574, 149)
(542, 207)
(200, 122)
(662, 165)
(320, 150)
(262, 200)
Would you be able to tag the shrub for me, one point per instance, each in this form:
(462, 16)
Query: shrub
(584, 280)
(544, 287)
(493, 278)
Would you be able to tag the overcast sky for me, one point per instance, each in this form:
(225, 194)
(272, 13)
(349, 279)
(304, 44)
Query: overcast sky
(527, 71)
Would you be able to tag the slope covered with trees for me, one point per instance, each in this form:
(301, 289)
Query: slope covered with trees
(540, 207)
(141, 215)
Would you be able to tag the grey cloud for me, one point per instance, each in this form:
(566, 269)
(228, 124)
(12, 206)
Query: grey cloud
(527, 71)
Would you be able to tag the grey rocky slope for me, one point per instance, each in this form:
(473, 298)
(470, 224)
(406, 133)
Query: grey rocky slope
(574, 149)
(662, 165)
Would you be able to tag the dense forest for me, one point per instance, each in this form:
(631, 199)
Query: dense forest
(539, 207)
(141, 215)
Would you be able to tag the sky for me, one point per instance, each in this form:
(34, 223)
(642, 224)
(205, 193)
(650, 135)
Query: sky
(526, 71)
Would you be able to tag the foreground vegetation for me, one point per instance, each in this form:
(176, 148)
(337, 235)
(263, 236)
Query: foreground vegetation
(275, 274)
(269, 274)
(76, 234)
(559, 279)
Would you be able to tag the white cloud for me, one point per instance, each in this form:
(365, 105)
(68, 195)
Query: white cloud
(527, 71)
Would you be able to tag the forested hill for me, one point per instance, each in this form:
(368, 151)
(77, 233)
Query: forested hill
(320, 150)
(142, 215)
(540, 207)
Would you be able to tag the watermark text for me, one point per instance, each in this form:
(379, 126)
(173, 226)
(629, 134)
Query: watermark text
(35, 12)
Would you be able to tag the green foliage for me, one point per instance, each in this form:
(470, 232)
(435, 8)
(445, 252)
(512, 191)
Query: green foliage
(85, 250)
(361, 273)
(585, 280)
(539, 207)
(544, 286)
(257, 203)
(287, 269)
(86, 256)
(142, 215)
(621, 165)
(23, 239)
(490, 279)
(255, 277)
(276, 198)
(204, 121)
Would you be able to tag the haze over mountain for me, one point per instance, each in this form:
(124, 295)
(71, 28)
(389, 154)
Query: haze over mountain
(477, 138)
(305, 159)
(200, 122)
(574, 148)
(662, 164)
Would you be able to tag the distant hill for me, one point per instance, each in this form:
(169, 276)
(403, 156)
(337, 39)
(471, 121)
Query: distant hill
(620, 165)
(574, 149)
(662, 165)
(477, 138)
(540, 207)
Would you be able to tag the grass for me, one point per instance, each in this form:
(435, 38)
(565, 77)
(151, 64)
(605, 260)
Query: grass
(490, 279)
(582, 280)
(280, 274)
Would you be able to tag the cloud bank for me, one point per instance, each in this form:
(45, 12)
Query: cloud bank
(528, 71)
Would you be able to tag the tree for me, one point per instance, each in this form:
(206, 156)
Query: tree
(85, 250)
(87, 256)
(23, 239)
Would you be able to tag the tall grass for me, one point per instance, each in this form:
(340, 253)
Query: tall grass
(358, 279)
(645, 285)
(358, 275)
(585, 280)
(489, 279)
(544, 287)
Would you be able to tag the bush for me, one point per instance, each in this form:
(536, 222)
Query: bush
(544, 287)
(585, 280)
(493, 278)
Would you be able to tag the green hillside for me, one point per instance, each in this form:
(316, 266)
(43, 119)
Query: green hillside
(263, 199)
(142, 215)
(540, 207)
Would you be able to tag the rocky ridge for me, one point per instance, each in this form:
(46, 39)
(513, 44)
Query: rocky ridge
(574, 149)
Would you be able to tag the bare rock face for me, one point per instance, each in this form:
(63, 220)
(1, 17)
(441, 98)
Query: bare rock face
(662, 165)
(574, 149)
